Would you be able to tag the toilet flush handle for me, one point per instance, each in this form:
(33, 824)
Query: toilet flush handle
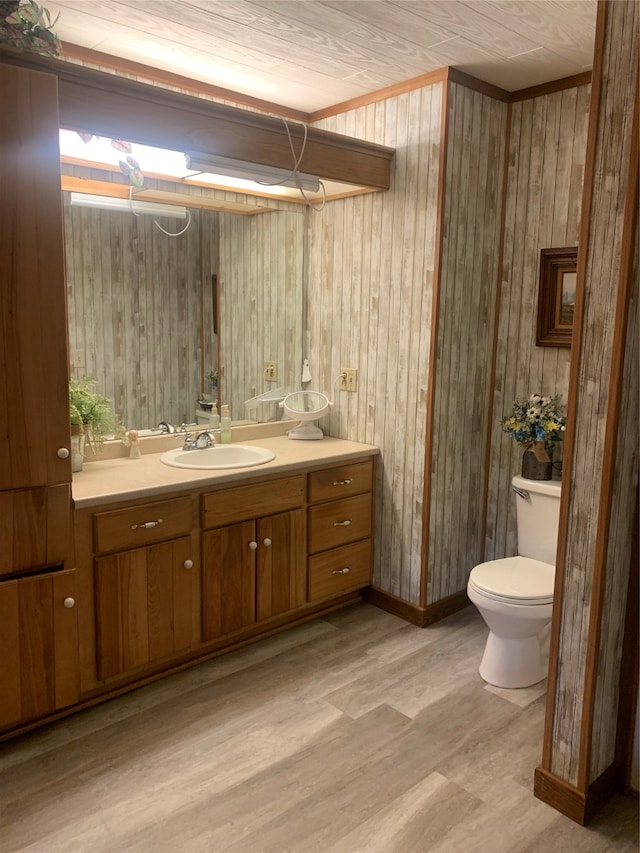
(522, 493)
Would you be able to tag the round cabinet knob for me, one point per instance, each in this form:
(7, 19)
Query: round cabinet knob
(188, 564)
(253, 545)
(69, 602)
(63, 453)
(266, 542)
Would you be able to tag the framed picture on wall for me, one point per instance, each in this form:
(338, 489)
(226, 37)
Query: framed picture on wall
(556, 296)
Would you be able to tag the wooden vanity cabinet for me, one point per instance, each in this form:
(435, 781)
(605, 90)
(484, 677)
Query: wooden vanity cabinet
(39, 636)
(253, 554)
(340, 529)
(147, 598)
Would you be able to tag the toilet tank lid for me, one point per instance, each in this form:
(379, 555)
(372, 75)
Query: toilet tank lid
(540, 487)
(515, 577)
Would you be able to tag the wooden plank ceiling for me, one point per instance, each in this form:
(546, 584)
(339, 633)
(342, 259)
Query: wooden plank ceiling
(311, 54)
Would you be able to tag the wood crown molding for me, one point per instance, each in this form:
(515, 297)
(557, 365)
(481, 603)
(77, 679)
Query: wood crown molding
(75, 53)
(108, 105)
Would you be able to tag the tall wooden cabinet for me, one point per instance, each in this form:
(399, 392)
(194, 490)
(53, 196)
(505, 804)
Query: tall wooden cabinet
(38, 614)
(34, 417)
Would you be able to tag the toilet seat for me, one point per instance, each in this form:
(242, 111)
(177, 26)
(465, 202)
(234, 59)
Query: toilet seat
(514, 580)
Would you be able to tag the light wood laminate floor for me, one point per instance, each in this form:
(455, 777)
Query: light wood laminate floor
(355, 733)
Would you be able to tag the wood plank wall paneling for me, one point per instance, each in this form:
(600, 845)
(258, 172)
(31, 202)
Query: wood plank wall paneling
(261, 297)
(468, 284)
(616, 581)
(544, 192)
(369, 296)
(612, 155)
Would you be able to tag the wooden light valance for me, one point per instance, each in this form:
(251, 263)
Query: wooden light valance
(106, 105)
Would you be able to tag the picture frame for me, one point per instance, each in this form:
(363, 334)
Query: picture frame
(556, 296)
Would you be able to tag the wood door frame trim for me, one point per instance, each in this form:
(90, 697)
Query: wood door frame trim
(496, 328)
(433, 343)
(609, 454)
(572, 397)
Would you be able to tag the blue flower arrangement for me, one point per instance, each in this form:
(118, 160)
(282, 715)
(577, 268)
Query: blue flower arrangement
(536, 419)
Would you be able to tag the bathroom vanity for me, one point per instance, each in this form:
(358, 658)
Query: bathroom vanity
(173, 566)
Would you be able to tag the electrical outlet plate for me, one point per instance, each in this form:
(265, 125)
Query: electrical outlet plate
(271, 371)
(348, 379)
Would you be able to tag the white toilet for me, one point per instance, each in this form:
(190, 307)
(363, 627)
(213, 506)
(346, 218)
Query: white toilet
(515, 595)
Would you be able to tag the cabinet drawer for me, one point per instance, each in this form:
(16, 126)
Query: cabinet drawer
(45, 510)
(341, 482)
(340, 570)
(133, 527)
(339, 522)
(245, 502)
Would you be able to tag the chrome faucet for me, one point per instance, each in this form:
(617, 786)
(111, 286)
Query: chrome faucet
(166, 428)
(202, 440)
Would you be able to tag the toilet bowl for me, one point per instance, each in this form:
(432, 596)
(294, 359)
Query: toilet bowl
(514, 595)
(515, 599)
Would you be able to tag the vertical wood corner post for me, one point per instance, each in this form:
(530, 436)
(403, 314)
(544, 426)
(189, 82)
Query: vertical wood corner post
(579, 770)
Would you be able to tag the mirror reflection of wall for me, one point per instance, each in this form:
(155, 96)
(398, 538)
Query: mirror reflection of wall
(136, 299)
(261, 262)
(139, 302)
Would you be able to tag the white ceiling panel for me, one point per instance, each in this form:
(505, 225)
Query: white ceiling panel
(312, 54)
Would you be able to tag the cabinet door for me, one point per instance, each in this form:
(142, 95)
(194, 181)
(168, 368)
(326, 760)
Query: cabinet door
(34, 412)
(228, 589)
(281, 581)
(147, 605)
(39, 639)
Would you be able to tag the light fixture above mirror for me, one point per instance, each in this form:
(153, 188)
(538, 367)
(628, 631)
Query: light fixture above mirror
(126, 205)
(213, 166)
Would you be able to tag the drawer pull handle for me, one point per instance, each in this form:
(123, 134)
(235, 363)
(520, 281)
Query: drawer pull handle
(62, 453)
(188, 564)
(266, 542)
(253, 545)
(343, 482)
(344, 571)
(342, 523)
(146, 524)
(69, 602)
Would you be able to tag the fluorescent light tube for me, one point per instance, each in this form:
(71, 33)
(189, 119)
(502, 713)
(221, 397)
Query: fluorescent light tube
(261, 174)
(148, 208)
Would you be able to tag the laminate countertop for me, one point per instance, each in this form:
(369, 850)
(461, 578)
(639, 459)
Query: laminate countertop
(120, 479)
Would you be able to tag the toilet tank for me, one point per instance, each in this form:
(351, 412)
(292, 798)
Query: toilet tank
(537, 518)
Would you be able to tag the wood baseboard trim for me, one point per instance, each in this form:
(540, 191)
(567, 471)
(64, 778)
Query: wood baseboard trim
(414, 613)
(579, 806)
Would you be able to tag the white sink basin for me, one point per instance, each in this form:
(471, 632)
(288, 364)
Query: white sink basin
(220, 456)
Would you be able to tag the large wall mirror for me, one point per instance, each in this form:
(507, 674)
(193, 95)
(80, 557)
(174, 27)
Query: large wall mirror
(142, 309)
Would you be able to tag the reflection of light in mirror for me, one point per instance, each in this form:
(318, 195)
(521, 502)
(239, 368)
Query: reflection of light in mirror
(99, 150)
(240, 183)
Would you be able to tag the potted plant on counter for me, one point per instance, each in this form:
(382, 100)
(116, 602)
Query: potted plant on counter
(91, 417)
